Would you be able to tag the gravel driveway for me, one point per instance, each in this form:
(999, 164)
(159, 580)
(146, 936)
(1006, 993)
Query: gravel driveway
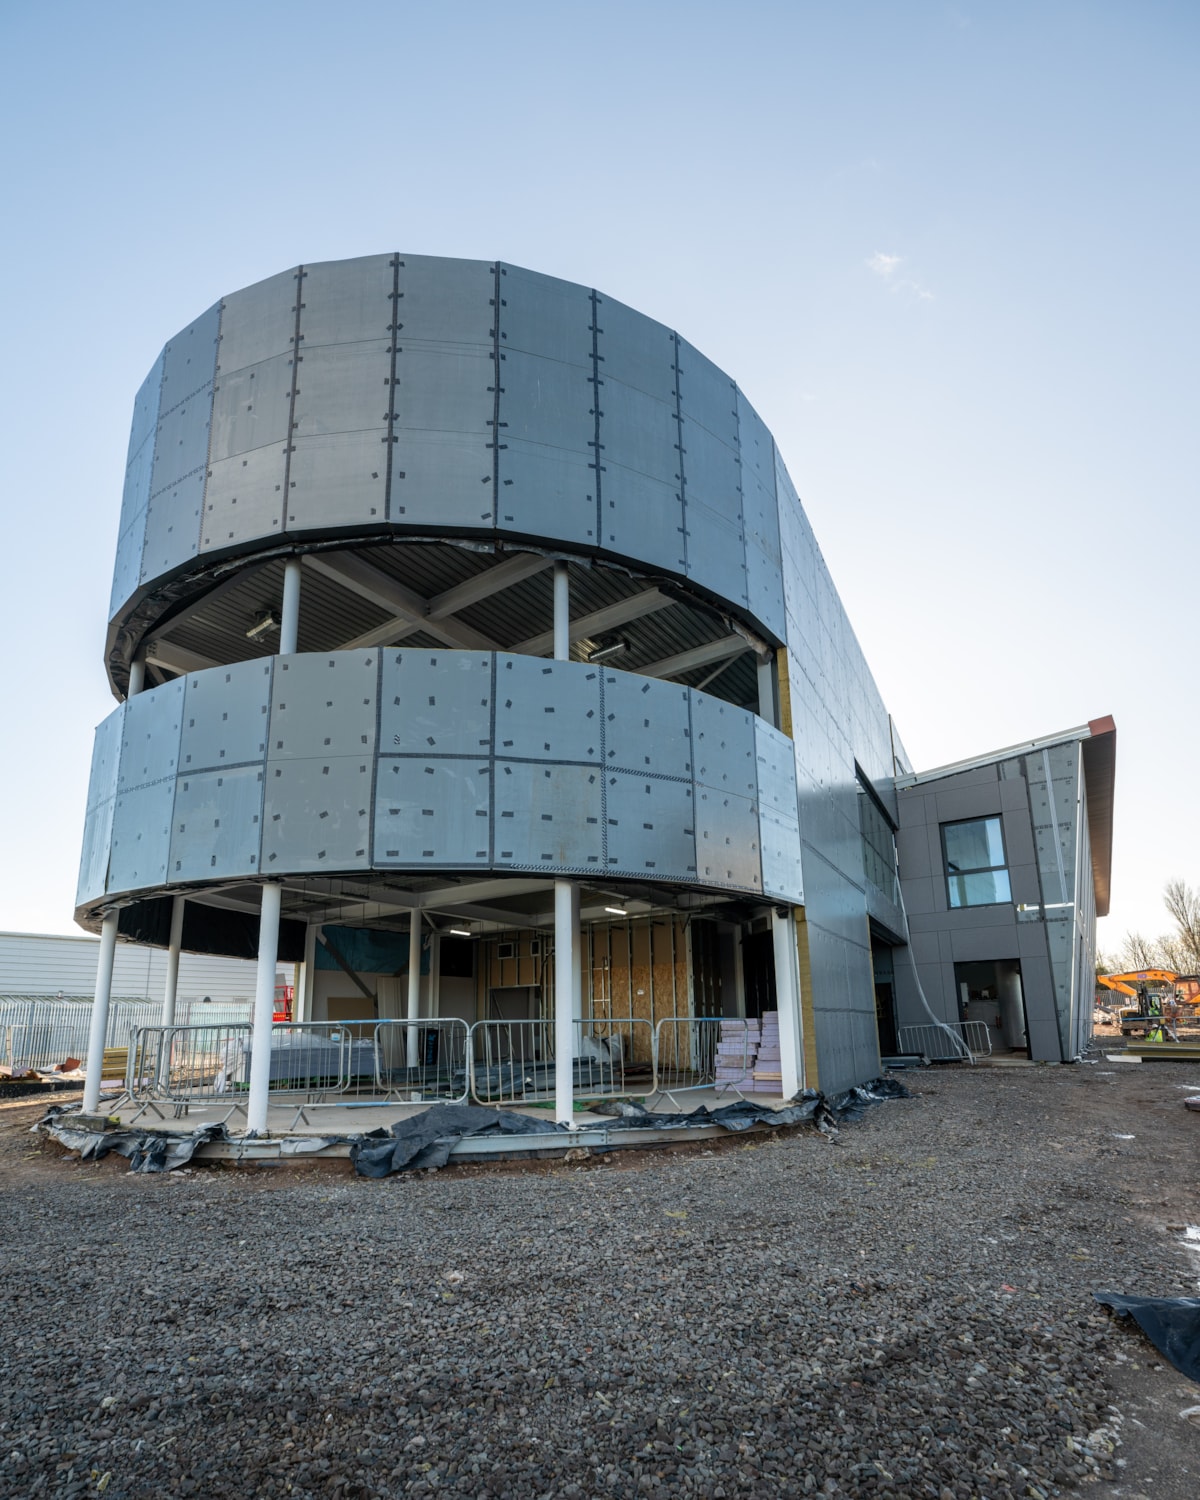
(906, 1312)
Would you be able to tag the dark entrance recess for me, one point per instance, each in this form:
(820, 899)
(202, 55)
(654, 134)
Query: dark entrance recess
(706, 969)
(885, 996)
(758, 972)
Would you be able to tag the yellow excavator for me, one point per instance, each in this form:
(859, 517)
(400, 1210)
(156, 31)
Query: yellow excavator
(1157, 1009)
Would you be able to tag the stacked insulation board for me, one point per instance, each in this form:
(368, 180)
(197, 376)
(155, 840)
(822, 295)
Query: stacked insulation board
(768, 1070)
(736, 1052)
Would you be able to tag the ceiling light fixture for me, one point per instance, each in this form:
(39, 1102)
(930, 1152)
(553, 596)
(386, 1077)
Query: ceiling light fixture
(607, 647)
(264, 620)
(460, 932)
(617, 911)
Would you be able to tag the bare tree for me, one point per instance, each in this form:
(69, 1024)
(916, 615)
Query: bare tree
(1138, 952)
(1183, 904)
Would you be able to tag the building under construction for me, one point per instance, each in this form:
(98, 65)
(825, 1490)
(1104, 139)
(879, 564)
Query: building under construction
(473, 651)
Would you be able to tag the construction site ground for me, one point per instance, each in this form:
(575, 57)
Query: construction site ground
(905, 1312)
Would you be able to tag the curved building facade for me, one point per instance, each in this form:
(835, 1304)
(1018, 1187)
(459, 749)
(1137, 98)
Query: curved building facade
(460, 602)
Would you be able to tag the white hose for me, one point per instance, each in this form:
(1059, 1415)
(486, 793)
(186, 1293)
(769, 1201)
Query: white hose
(961, 1046)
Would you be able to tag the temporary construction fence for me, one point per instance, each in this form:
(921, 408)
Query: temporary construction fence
(497, 1063)
(423, 1060)
(938, 1044)
(44, 1033)
(702, 1052)
(513, 1062)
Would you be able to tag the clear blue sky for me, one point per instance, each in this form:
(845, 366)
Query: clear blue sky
(948, 250)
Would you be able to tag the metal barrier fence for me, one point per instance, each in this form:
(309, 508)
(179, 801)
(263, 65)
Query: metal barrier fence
(42, 1033)
(513, 1062)
(701, 1052)
(934, 1043)
(422, 1061)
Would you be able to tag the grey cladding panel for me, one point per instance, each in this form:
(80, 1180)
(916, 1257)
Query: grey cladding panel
(547, 492)
(258, 322)
(146, 408)
(181, 443)
(727, 835)
(764, 589)
(716, 554)
(141, 835)
(339, 479)
(150, 737)
(317, 814)
(446, 390)
(707, 396)
(756, 446)
(545, 402)
(435, 703)
(343, 388)
(441, 479)
(713, 474)
(723, 737)
(642, 506)
(225, 716)
(638, 432)
(646, 725)
(323, 705)
(243, 498)
(188, 359)
(347, 300)
(545, 316)
(651, 827)
(127, 571)
(217, 824)
(136, 494)
(642, 518)
(106, 757)
(102, 787)
(173, 526)
(547, 457)
(93, 859)
(432, 811)
(446, 302)
(782, 875)
(775, 757)
(636, 350)
(251, 407)
(442, 460)
(547, 710)
(548, 817)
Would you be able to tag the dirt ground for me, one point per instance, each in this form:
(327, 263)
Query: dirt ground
(1120, 1128)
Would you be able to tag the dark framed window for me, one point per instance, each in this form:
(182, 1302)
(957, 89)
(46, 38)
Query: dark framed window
(976, 867)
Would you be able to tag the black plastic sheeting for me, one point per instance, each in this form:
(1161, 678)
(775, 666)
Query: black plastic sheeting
(146, 1150)
(424, 1142)
(1172, 1324)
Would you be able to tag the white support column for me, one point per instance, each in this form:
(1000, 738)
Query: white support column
(787, 1002)
(766, 692)
(562, 613)
(99, 1027)
(173, 949)
(264, 1009)
(566, 940)
(289, 614)
(414, 986)
(137, 676)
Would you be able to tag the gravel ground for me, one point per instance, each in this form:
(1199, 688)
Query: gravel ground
(906, 1312)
